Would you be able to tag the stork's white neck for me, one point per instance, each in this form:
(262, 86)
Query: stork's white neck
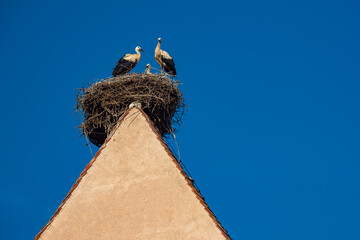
(158, 45)
(137, 52)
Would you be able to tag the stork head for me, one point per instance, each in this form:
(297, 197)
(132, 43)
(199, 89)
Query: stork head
(147, 69)
(159, 39)
(138, 48)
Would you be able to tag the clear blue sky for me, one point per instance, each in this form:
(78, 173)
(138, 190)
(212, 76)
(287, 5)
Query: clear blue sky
(272, 131)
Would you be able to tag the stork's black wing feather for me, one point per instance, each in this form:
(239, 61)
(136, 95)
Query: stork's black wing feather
(169, 65)
(123, 66)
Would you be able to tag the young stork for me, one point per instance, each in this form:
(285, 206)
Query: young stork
(164, 60)
(127, 62)
(147, 69)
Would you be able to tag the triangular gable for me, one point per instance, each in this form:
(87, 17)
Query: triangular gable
(133, 188)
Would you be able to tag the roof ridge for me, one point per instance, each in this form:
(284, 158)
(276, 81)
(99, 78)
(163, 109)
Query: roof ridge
(167, 149)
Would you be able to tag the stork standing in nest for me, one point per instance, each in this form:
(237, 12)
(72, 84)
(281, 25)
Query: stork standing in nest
(164, 60)
(147, 69)
(127, 62)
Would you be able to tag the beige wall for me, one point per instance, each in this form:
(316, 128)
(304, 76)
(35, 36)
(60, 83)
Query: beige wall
(133, 190)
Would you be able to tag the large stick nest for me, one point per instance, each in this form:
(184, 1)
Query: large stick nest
(102, 103)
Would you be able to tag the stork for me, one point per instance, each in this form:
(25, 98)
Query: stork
(127, 62)
(164, 60)
(147, 68)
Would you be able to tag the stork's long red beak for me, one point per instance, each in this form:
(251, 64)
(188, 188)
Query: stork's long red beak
(141, 50)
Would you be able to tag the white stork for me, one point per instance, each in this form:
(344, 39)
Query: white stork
(147, 68)
(127, 62)
(164, 60)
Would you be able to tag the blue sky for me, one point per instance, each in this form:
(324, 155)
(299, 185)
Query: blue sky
(272, 131)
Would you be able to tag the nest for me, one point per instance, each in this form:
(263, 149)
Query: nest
(102, 103)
